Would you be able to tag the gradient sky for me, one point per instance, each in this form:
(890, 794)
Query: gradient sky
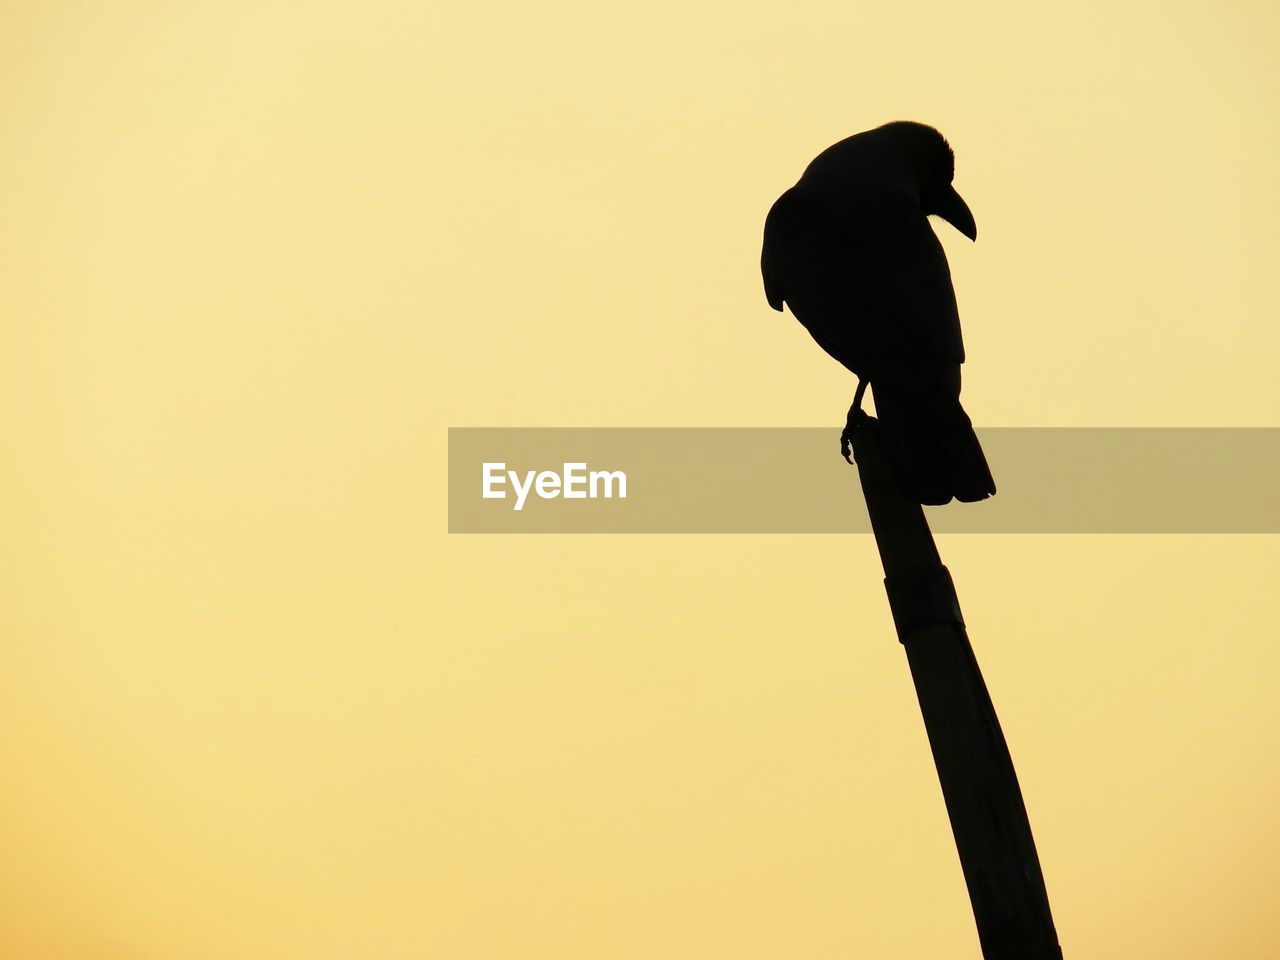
(255, 258)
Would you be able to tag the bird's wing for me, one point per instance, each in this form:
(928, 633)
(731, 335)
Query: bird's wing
(802, 266)
(797, 240)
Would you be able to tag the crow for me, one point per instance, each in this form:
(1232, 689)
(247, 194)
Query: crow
(850, 250)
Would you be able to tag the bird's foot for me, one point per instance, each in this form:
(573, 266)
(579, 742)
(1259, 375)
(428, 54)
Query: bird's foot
(852, 421)
(856, 418)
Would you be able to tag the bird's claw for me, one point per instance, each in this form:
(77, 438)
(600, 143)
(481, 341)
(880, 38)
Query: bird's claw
(856, 418)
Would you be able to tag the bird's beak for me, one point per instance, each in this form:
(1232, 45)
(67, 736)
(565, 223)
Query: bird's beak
(952, 208)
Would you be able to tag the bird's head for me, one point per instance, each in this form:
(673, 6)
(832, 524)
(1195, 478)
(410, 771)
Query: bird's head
(928, 157)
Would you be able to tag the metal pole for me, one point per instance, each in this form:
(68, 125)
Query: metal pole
(979, 785)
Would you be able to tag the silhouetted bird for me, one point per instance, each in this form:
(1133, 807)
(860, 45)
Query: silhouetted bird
(849, 249)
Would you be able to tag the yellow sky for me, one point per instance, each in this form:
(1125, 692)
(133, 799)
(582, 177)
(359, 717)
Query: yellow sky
(255, 258)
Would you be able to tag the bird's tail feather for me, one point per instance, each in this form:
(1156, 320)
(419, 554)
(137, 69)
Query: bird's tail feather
(932, 448)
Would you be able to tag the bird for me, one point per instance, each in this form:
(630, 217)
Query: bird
(850, 250)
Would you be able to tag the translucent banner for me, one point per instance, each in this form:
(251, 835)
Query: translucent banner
(793, 480)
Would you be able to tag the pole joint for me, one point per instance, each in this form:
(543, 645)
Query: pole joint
(922, 595)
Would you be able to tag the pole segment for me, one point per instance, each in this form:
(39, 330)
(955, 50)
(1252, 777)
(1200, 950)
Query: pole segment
(979, 785)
